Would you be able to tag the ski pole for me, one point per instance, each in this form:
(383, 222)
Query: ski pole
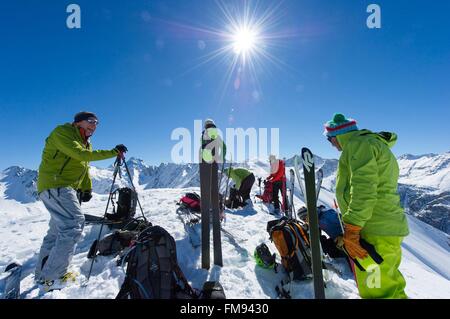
(364, 244)
(259, 184)
(134, 188)
(117, 165)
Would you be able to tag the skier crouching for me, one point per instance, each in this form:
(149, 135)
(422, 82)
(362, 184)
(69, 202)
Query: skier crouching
(244, 180)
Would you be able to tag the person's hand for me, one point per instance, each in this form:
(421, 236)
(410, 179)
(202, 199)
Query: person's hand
(121, 148)
(85, 196)
(351, 242)
(339, 242)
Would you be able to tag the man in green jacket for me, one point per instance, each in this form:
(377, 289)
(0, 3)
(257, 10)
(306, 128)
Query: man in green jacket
(63, 183)
(367, 194)
(243, 180)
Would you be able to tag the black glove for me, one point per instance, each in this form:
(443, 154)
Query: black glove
(121, 148)
(85, 196)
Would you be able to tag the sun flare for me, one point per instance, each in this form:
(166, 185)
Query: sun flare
(245, 41)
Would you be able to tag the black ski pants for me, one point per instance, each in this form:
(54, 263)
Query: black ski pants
(246, 187)
(277, 187)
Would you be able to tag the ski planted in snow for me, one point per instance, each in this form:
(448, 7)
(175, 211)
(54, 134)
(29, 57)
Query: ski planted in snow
(291, 194)
(11, 284)
(297, 162)
(314, 231)
(284, 204)
(319, 175)
(210, 207)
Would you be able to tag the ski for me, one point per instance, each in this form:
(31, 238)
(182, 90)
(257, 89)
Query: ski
(210, 208)
(11, 284)
(291, 194)
(284, 204)
(319, 175)
(191, 223)
(314, 231)
(297, 161)
(205, 186)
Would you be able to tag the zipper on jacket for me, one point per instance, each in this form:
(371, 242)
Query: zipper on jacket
(84, 173)
(64, 165)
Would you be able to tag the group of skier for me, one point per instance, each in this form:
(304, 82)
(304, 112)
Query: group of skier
(366, 192)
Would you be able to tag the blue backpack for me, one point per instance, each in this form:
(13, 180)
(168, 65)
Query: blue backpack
(329, 222)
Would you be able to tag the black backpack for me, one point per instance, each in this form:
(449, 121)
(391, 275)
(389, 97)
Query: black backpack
(234, 200)
(125, 205)
(212, 290)
(112, 244)
(153, 271)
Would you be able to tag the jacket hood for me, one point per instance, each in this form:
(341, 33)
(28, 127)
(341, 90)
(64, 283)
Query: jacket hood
(388, 138)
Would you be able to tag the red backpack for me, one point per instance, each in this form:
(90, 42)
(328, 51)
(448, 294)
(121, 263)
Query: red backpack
(266, 197)
(191, 201)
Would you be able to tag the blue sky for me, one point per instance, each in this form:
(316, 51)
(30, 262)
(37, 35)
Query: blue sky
(137, 64)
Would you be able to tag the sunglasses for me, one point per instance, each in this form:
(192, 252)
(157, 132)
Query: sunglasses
(92, 121)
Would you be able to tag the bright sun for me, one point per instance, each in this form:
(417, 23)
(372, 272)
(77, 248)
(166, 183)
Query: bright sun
(245, 40)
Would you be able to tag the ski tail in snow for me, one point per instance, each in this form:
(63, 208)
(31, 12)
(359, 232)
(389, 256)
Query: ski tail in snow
(314, 231)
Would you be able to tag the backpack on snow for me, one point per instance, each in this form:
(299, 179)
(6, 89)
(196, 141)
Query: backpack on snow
(190, 201)
(153, 271)
(112, 244)
(234, 200)
(212, 290)
(264, 258)
(267, 195)
(125, 206)
(292, 242)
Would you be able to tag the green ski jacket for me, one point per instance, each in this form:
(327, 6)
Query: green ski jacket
(367, 181)
(65, 160)
(237, 175)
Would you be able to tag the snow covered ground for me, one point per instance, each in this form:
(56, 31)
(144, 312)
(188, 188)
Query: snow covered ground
(426, 252)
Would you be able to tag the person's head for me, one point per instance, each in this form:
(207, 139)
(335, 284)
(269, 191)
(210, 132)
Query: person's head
(272, 159)
(337, 126)
(210, 129)
(88, 121)
(209, 123)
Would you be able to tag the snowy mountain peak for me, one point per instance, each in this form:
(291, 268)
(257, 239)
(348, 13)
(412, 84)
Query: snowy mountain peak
(137, 163)
(19, 184)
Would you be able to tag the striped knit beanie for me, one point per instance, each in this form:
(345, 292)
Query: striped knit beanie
(339, 125)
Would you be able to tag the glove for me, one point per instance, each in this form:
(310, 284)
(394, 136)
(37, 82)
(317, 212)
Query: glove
(351, 242)
(85, 196)
(121, 148)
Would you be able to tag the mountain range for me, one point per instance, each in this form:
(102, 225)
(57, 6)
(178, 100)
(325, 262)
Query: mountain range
(424, 183)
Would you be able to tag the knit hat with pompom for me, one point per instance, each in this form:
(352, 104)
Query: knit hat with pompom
(339, 125)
